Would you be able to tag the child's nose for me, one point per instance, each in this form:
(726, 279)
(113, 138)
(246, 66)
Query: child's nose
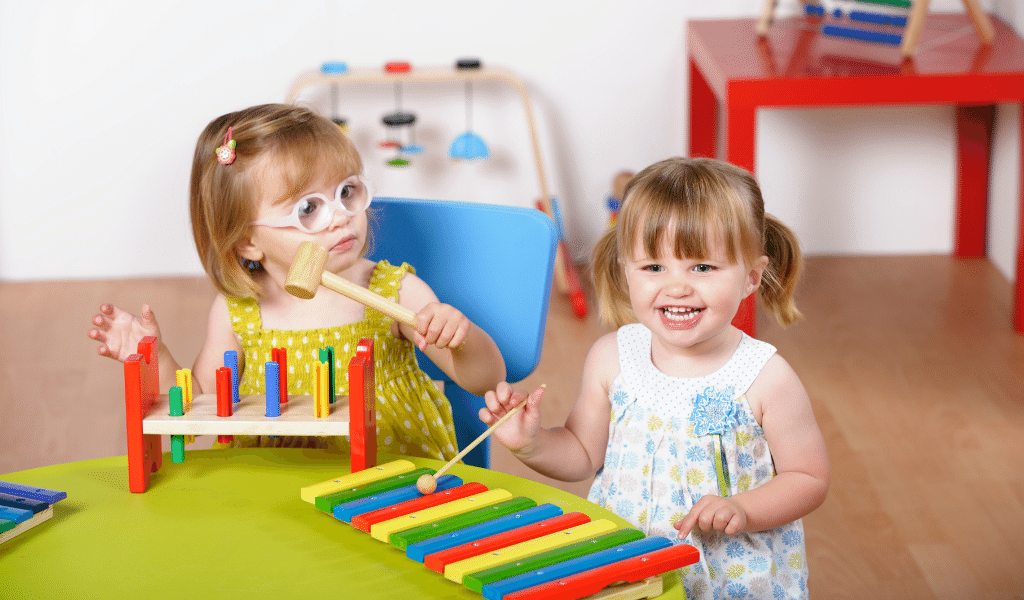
(679, 286)
(338, 218)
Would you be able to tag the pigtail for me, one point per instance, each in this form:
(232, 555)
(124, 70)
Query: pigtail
(610, 282)
(785, 262)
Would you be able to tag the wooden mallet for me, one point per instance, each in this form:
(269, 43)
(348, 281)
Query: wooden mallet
(307, 274)
(426, 484)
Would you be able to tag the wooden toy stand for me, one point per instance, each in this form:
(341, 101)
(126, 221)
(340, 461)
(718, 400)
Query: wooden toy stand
(148, 417)
(914, 23)
(566, 277)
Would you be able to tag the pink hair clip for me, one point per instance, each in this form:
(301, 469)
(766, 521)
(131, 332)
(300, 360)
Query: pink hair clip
(226, 152)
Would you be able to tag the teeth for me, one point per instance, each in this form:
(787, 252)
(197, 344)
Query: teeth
(677, 313)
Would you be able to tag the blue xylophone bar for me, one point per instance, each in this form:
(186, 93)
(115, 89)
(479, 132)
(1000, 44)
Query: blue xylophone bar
(347, 510)
(420, 550)
(498, 589)
(12, 501)
(36, 493)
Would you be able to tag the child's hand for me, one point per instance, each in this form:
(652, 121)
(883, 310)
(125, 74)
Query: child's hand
(713, 513)
(120, 332)
(520, 430)
(440, 325)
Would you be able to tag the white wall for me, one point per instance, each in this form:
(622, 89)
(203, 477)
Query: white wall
(100, 105)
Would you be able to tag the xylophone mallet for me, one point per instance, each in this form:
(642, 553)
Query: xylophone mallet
(307, 274)
(426, 484)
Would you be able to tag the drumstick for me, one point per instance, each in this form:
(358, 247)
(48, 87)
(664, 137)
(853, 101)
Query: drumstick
(426, 484)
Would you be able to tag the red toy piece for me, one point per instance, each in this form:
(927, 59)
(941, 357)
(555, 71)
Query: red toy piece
(362, 407)
(367, 520)
(141, 384)
(593, 581)
(439, 560)
(280, 356)
(397, 67)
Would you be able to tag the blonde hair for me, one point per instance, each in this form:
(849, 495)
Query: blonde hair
(699, 197)
(223, 199)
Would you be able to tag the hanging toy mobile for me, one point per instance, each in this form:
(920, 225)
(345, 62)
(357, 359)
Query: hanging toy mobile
(468, 145)
(397, 122)
(335, 68)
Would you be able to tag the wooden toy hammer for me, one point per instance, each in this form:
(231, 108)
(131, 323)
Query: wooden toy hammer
(307, 274)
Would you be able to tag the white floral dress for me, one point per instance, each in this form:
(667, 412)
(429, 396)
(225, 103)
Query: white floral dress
(664, 437)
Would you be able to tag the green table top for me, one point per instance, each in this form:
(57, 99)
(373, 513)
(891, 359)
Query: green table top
(225, 524)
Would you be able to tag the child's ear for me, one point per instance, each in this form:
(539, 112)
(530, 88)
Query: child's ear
(249, 251)
(754, 277)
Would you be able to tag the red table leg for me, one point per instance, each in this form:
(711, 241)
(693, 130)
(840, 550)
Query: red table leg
(1018, 286)
(741, 137)
(703, 116)
(974, 149)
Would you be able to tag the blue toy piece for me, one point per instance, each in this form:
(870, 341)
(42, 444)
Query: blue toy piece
(864, 35)
(536, 514)
(493, 263)
(878, 18)
(347, 510)
(333, 67)
(499, 589)
(468, 146)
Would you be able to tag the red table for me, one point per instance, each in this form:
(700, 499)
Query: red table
(795, 66)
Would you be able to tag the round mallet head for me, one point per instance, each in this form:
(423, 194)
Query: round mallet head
(306, 271)
(426, 484)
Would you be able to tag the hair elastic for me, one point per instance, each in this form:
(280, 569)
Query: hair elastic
(226, 151)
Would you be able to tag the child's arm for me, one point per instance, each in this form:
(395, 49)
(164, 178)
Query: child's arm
(573, 452)
(798, 451)
(456, 345)
(119, 333)
(220, 337)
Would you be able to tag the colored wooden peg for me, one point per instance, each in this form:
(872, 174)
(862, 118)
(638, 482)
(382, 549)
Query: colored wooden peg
(280, 356)
(224, 392)
(231, 362)
(271, 373)
(326, 356)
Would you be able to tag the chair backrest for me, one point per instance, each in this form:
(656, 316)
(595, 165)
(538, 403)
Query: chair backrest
(493, 263)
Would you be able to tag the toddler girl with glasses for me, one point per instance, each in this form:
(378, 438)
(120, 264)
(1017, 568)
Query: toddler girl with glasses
(264, 180)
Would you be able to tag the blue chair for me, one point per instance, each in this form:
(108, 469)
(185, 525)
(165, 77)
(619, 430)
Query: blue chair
(494, 263)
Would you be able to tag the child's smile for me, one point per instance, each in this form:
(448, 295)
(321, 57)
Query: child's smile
(679, 317)
(688, 303)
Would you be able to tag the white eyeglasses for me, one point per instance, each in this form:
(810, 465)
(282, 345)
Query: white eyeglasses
(314, 213)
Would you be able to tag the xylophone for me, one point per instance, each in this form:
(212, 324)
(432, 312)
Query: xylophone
(22, 507)
(503, 547)
(150, 414)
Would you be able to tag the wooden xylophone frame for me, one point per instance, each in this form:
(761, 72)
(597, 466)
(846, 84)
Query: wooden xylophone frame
(461, 526)
(147, 418)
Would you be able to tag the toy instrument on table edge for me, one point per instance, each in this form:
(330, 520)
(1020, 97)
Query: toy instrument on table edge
(503, 547)
(22, 507)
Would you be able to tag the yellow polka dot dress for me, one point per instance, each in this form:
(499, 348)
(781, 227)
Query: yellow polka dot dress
(413, 416)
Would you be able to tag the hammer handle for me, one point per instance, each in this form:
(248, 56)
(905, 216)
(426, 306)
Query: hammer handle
(367, 298)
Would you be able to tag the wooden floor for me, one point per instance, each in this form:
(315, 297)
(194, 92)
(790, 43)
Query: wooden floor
(916, 378)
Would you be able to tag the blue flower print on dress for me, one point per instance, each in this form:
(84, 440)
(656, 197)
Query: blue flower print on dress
(714, 412)
(735, 550)
(696, 454)
(619, 398)
(792, 537)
